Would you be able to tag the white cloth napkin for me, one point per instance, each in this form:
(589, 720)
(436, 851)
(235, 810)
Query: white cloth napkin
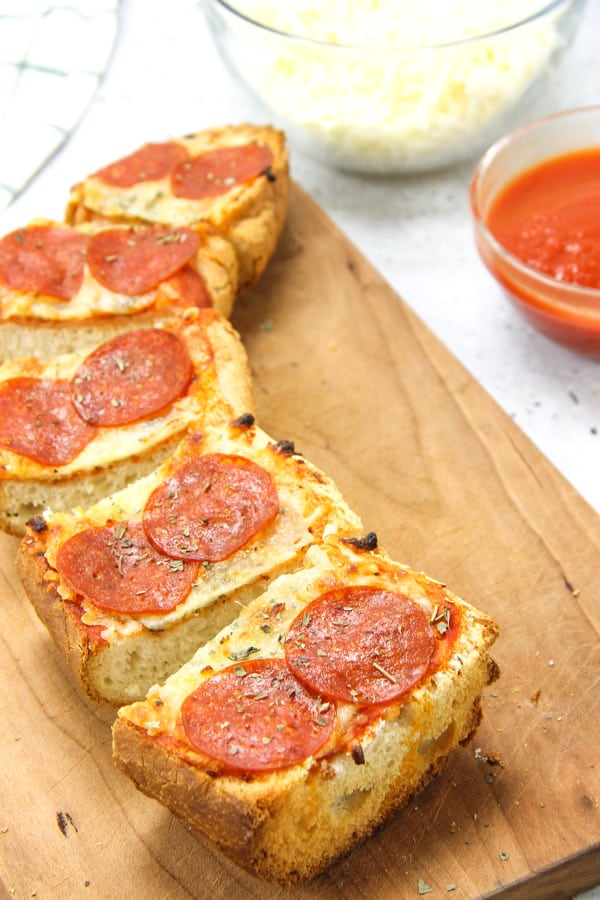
(52, 57)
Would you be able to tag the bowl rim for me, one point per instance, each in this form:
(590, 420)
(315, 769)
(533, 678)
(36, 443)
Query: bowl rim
(569, 289)
(545, 9)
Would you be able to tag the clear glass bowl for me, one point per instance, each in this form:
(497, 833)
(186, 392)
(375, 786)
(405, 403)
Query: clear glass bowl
(565, 312)
(388, 106)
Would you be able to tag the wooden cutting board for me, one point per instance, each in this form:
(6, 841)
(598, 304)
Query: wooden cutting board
(344, 369)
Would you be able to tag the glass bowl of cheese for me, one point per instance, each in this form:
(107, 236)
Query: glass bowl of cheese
(392, 86)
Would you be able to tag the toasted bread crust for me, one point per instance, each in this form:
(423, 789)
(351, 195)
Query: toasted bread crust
(288, 824)
(28, 488)
(22, 499)
(252, 824)
(242, 831)
(65, 628)
(123, 670)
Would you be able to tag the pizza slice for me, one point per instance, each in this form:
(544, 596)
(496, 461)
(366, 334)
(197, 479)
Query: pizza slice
(234, 179)
(132, 586)
(80, 426)
(335, 696)
(62, 287)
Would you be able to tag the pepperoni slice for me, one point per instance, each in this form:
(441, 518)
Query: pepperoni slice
(133, 261)
(150, 163)
(256, 717)
(44, 259)
(190, 288)
(38, 420)
(360, 644)
(210, 508)
(119, 571)
(217, 171)
(130, 377)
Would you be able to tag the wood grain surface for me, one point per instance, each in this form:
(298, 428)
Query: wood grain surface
(344, 369)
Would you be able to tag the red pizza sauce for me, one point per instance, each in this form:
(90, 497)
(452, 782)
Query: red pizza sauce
(547, 219)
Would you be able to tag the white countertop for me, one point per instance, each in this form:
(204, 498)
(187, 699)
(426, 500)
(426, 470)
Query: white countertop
(166, 78)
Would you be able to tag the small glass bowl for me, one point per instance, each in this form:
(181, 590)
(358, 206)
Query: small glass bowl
(565, 312)
(389, 106)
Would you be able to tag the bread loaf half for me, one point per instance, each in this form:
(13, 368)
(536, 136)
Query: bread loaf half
(132, 586)
(234, 179)
(62, 287)
(333, 698)
(80, 426)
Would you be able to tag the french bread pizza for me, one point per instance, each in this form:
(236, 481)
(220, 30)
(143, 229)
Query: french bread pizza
(130, 587)
(332, 699)
(234, 179)
(62, 287)
(282, 684)
(83, 425)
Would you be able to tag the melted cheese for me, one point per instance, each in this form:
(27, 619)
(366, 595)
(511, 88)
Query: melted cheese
(154, 201)
(91, 301)
(309, 509)
(260, 629)
(151, 201)
(111, 445)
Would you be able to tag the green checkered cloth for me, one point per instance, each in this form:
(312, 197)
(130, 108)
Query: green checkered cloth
(52, 57)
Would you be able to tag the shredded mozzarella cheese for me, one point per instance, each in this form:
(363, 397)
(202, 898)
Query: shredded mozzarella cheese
(395, 91)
